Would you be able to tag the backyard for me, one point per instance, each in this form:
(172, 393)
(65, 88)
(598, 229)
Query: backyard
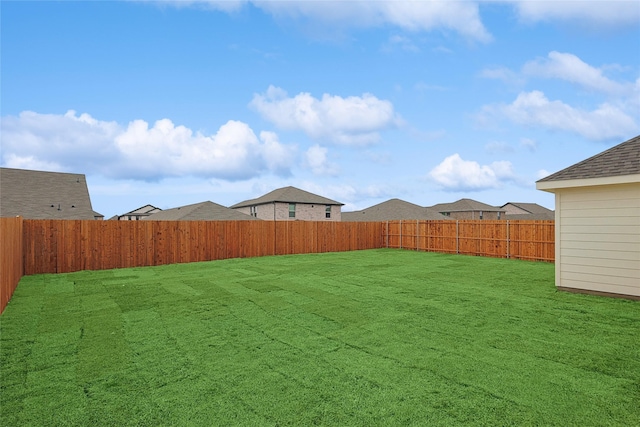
(375, 337)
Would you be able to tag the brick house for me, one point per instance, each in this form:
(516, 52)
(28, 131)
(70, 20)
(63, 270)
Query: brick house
(469, 209)
(291, 204)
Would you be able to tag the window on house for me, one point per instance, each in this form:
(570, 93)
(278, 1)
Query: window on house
(446, 213)
(253, 211)
(292, 210)
(480, 214)
(327, 211)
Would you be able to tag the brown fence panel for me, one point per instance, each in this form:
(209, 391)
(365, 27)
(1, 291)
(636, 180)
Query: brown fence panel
(532, 240)
(76, 245)
(56, 246)
(11, 257)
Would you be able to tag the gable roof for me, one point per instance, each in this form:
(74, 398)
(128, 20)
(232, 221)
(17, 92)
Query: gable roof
(623, 159)
(288, 195)
(465, 205)
(143, 210)
(531, 211)
(532, 208)
(393, 209)
(45, 195)
(204, 211)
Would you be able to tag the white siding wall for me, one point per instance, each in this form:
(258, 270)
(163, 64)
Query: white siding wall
(598, 231)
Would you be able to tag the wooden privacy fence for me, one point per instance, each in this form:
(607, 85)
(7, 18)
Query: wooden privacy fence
(11, 250)
(62, 246)
(530, 240)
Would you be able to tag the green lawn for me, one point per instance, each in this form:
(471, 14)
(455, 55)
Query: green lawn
(380, 337)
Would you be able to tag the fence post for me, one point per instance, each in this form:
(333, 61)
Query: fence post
(508, 244)
(417, 234)
(400, 234)
(457, 238)
(387, 234)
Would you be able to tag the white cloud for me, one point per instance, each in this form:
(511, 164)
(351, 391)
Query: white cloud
(542, 173)
(569, 67)
(355, 120)
(82, 143)
(598, 13)
(456, 174)
(58, 141)
(534, 109)
(316, 160)
(529, 144)
(30, 162)
(278, 157)
(460, 16)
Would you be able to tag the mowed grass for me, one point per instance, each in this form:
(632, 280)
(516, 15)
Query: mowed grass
(369, 338)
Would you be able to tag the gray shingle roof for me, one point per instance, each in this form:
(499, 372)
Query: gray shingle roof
(465, 205)
(391, 210)
(146, 209)
(529, 207)
(204, 211)
(288, 195)
(623, 159)
(44, 195)
(533, 212)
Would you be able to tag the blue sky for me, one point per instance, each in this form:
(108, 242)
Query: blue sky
(177, 102)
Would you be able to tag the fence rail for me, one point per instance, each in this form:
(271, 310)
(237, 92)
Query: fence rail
(62, 246)
(530, 240)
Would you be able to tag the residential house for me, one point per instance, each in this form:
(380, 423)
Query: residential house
(289, 204)
(138, 214)
(391, 210)
(598, 222)
(45, 195)
(527, 211)
(469, 209)
(204, 211)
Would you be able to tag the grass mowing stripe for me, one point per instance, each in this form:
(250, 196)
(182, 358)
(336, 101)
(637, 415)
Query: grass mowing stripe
(381, 337)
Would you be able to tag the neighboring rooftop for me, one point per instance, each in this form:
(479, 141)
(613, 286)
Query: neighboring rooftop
(137, 214)
(204, 211)
(530, 211)
(465, 205)
(623, 159)
(391, 210)
(288, 195)
(44, 195)
(144, 210)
